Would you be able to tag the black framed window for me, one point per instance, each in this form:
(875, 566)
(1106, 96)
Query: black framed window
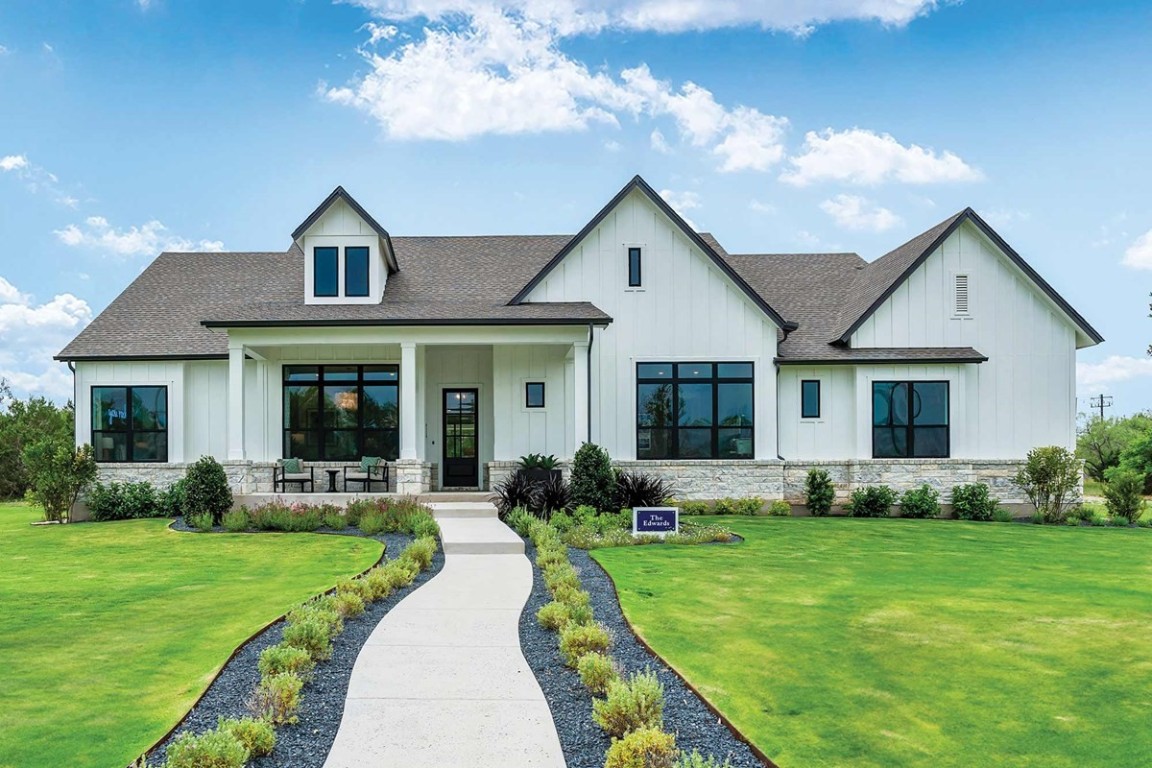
(694, 411)
(356, 271)
(810, 399)
(634, 267)
(130, 423)
(910, 420)
(325, 271)
(534, 394)
(341, 412)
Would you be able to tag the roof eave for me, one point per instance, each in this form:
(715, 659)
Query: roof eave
(882, 361)
(391, 322)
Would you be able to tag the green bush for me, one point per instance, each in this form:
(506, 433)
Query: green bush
(211, 749)
(922, 502)
(23, 422)
(400, 573)
(373, 522)
(201, 523)
(171, 501)
(379, 586)
(780, 508)
(819, 493)
(579, 639)
(1103, 442)
(749, 506)
(598, 671)
(348, 604)
(236, 520)
(549, 557)
(333, 517)
(973, 502)
(58, 474)
(1001, 515)
(1137, 457)
(1050, 478)
(697, 760)
(570, 595)
(356, 587)
(646, 748)
(692, 508)
(561, 575)
(123, 501)
(724, 506)
(278, 659)
(278, 697)
(257, 736)
(593, 482)
(425, 527)
(421, 552)
(631, 705)
(206, 490)
(1122, 494)
(519, 519)
(554, 616)
(311, 634)
(872, 501)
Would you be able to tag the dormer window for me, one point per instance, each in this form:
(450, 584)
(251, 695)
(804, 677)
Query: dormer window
(325, 271)
(356, 271)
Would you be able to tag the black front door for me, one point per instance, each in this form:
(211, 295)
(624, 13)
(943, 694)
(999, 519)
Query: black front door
(461, 467)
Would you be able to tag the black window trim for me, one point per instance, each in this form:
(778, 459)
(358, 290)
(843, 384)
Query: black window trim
(368, 271)
(635, 270)
(316, 272)
(911, 426)
(819, 398)
(359, 383)
(543, 395)
(715, 427)
(131, 430)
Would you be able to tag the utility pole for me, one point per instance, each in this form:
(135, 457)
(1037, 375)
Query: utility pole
(1101, 402)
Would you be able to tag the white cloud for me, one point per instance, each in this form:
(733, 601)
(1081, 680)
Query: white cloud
(1001, 217)
(4, 51)
(1095, 377)
(659, 143)
(863, 157)
(378, 32)
(613, 146)
(682, 202)
(1139, 254)
(760, 207)
(37, 179)
(859, 213)
(13, 162)
(32, 334)
(148, 239)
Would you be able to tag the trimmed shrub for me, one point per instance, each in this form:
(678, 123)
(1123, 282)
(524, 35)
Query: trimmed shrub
(420, 552)
(561, 575)
(123, 501)
(358, 587)
(593, 481)
(333, 518)
(211, 749)
(400, 573)
(646, 748)
(974, 502)
(697, 760)
(1050, 478)
(311, 634)
(749, 506)
(1001, 515)
(58, 474)
(922, 502)
(278, 659)
(554, 616)
(872, 501)
(425, 526)
(257, 736)
(1122, 494)
(277, 698)
(570, 595)
(201, 523)
(377, 584)
(206, 490)
(348, 604)
(638, 489)
(579, 639)
(598, 671)
(171, 501)
(724, 506)
(692, 508)
(546, 558)
(631, 705)
(518, 520)
(819, 493)
(373, 522)
(780, 508)
(235, 520)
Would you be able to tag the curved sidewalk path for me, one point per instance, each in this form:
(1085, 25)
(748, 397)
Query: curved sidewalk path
(441, 681)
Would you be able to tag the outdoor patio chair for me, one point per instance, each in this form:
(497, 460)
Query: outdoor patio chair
(370, 470)
(292, 471)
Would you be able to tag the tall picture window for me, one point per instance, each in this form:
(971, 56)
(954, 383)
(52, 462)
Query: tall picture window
(634, 258)
(325, 271)
(910, 419)
(356, 271)
(130, 423)
(341, 412)
(694, 411)
(810, 399)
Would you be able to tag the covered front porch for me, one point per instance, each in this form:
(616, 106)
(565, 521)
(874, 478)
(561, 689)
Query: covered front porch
(448, 408)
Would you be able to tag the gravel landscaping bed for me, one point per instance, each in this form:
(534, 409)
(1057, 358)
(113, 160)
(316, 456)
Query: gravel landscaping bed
(584, 743)
(306, 744)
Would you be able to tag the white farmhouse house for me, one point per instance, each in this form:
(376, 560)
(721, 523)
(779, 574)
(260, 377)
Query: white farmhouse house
(944, 361)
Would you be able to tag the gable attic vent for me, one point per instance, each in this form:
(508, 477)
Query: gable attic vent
(961, 300)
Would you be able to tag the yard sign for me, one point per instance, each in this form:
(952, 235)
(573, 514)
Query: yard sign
(655, 520)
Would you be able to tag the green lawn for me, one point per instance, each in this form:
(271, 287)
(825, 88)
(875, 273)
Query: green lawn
(109, 631)
(841, 642)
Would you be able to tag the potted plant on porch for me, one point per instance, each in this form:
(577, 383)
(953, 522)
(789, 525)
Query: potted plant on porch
(538, 468)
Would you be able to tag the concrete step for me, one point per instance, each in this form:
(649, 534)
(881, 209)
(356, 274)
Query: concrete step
(478, 536)
(484, 548)
(466, 509)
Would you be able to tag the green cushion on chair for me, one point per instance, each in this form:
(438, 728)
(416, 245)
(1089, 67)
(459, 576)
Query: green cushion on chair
(369, 463)
(291, 466)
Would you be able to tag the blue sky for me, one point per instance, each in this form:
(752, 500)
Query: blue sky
(132, 126)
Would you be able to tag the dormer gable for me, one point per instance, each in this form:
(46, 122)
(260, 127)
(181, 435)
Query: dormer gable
(348, 256)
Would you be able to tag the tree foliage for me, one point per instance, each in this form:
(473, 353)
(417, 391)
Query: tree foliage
(1102, 442)
(593, 481)
(1050, 478)
(22, 423)
(58, 474)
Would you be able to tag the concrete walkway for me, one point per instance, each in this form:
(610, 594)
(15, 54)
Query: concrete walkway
(441, 681)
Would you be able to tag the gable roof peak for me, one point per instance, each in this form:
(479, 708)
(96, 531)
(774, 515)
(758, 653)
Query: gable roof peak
(342, 194)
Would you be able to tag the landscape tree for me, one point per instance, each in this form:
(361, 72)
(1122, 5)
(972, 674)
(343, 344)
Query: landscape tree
(22, 423)
(1102, 442)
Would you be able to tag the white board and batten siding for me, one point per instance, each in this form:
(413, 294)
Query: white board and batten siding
(830, 435)
(340, 226)
(170, 374)
(518, 429)
(1025, 394)
(686, 309)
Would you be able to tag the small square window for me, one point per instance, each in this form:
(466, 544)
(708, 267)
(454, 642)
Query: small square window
(810, 399)
(534, 394)
(633, 267)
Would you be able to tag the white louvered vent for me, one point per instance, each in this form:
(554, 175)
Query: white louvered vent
(961, 303)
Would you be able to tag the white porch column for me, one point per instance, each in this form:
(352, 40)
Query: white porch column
(235, 402)
(580, 376)
(408, 391)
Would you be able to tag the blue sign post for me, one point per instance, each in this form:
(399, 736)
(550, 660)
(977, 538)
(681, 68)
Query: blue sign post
(659, 521)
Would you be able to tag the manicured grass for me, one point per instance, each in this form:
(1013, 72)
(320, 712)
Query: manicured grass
(840, 642)
(109, 631)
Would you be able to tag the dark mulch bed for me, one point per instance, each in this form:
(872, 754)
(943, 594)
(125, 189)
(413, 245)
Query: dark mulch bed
(583, 742)
(306, 744)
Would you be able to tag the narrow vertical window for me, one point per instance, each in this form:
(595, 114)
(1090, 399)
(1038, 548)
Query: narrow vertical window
(324, 271)
(810, 399)
(534, 394)
(356, 271)
(633, 267)
(961, 302)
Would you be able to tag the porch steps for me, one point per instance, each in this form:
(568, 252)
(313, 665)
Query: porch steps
(472, 528)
